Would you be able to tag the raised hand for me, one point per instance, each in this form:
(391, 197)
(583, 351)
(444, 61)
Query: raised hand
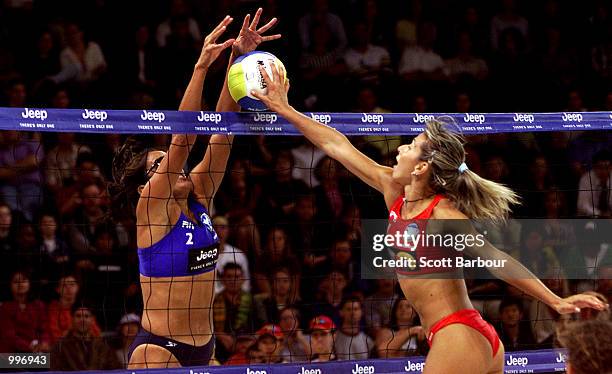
(211, 50)
(278, 86)
(250, 37)
(574, 303)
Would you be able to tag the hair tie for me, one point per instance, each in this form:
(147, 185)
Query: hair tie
(462, 168)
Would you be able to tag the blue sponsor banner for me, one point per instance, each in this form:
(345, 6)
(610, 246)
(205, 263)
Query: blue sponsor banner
(168, 122)
(543, 361)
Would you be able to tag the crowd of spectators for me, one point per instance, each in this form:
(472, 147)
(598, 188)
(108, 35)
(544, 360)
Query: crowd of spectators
(288, 217)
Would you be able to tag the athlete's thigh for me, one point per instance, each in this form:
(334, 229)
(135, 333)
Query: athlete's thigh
(459, 349)
(150, 356)
(498, 361)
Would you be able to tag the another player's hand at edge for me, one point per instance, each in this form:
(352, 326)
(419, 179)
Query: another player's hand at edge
(250, 36)
(211, 50)
(278, 86)
(574, 303)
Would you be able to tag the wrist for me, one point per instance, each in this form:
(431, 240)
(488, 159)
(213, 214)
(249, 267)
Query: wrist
(285, 109)
(553, 300)
(235, 54)
(200, 68)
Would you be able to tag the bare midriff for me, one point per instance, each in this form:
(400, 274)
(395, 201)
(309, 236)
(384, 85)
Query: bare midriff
(179, 308)
(434, 299)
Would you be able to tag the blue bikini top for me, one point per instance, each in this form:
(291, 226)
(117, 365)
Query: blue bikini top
(188, 249)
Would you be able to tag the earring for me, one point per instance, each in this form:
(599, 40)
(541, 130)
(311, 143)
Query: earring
(414, 173)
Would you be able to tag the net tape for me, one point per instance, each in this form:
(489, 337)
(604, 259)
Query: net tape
(268, 123)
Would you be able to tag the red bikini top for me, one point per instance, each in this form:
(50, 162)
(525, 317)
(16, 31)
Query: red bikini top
(413, 226)
(395, 213)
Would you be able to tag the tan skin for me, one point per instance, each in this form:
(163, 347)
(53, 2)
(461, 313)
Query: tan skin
(456, 348)
(180, 307)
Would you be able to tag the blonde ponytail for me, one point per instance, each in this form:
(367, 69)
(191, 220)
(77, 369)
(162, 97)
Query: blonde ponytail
(476, 197)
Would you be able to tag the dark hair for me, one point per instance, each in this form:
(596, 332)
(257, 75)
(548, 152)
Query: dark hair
(285, 155)
(393, 324)
(589, 345)
(510, 301)
(350, 299)
(82, 304)
(321, 169)
(64, 275)
(251, 348)
(296, 311)
(86, 157)
(230, 266)
(24, 271)
(4, 203)
(282, 269)
(603, 155)
(128, 171)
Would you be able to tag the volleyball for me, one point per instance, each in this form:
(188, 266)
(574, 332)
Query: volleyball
(244, 76)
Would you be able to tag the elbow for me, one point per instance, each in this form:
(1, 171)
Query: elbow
(179, 140)
(333, 147)
(384, 352)
(182, 140)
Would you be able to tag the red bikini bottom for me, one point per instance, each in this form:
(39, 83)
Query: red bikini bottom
(471, 318)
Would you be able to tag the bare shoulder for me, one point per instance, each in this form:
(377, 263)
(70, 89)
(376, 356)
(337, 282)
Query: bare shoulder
(391, 189)
(446, 210)
(150, 212)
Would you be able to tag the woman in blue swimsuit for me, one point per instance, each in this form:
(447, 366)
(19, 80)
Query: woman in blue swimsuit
(177, 246)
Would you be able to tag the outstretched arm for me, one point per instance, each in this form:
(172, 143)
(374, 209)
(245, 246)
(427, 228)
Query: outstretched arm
(159, 187)
(519, 276)
(208, 174)
(514, 273)
(329, 140)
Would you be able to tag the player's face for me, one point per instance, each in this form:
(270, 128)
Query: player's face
(183, 185)
(408, 156)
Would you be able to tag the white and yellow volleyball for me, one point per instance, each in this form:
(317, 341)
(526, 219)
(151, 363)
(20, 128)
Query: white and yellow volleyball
(244, 76)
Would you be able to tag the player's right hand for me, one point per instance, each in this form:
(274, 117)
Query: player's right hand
(211, 50)
(278, 86)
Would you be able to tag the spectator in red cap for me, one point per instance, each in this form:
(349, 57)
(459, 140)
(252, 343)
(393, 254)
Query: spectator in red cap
(270, 341)
(322, 330)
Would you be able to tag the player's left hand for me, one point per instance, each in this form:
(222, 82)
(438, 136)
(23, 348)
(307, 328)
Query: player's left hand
(574, 303)
(250, 36)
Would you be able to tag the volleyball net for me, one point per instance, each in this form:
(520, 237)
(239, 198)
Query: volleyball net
(287, 212)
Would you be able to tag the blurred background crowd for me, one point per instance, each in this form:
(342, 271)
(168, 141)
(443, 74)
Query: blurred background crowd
(289, 218)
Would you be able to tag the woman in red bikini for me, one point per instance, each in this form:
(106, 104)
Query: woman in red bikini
(431, 180)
